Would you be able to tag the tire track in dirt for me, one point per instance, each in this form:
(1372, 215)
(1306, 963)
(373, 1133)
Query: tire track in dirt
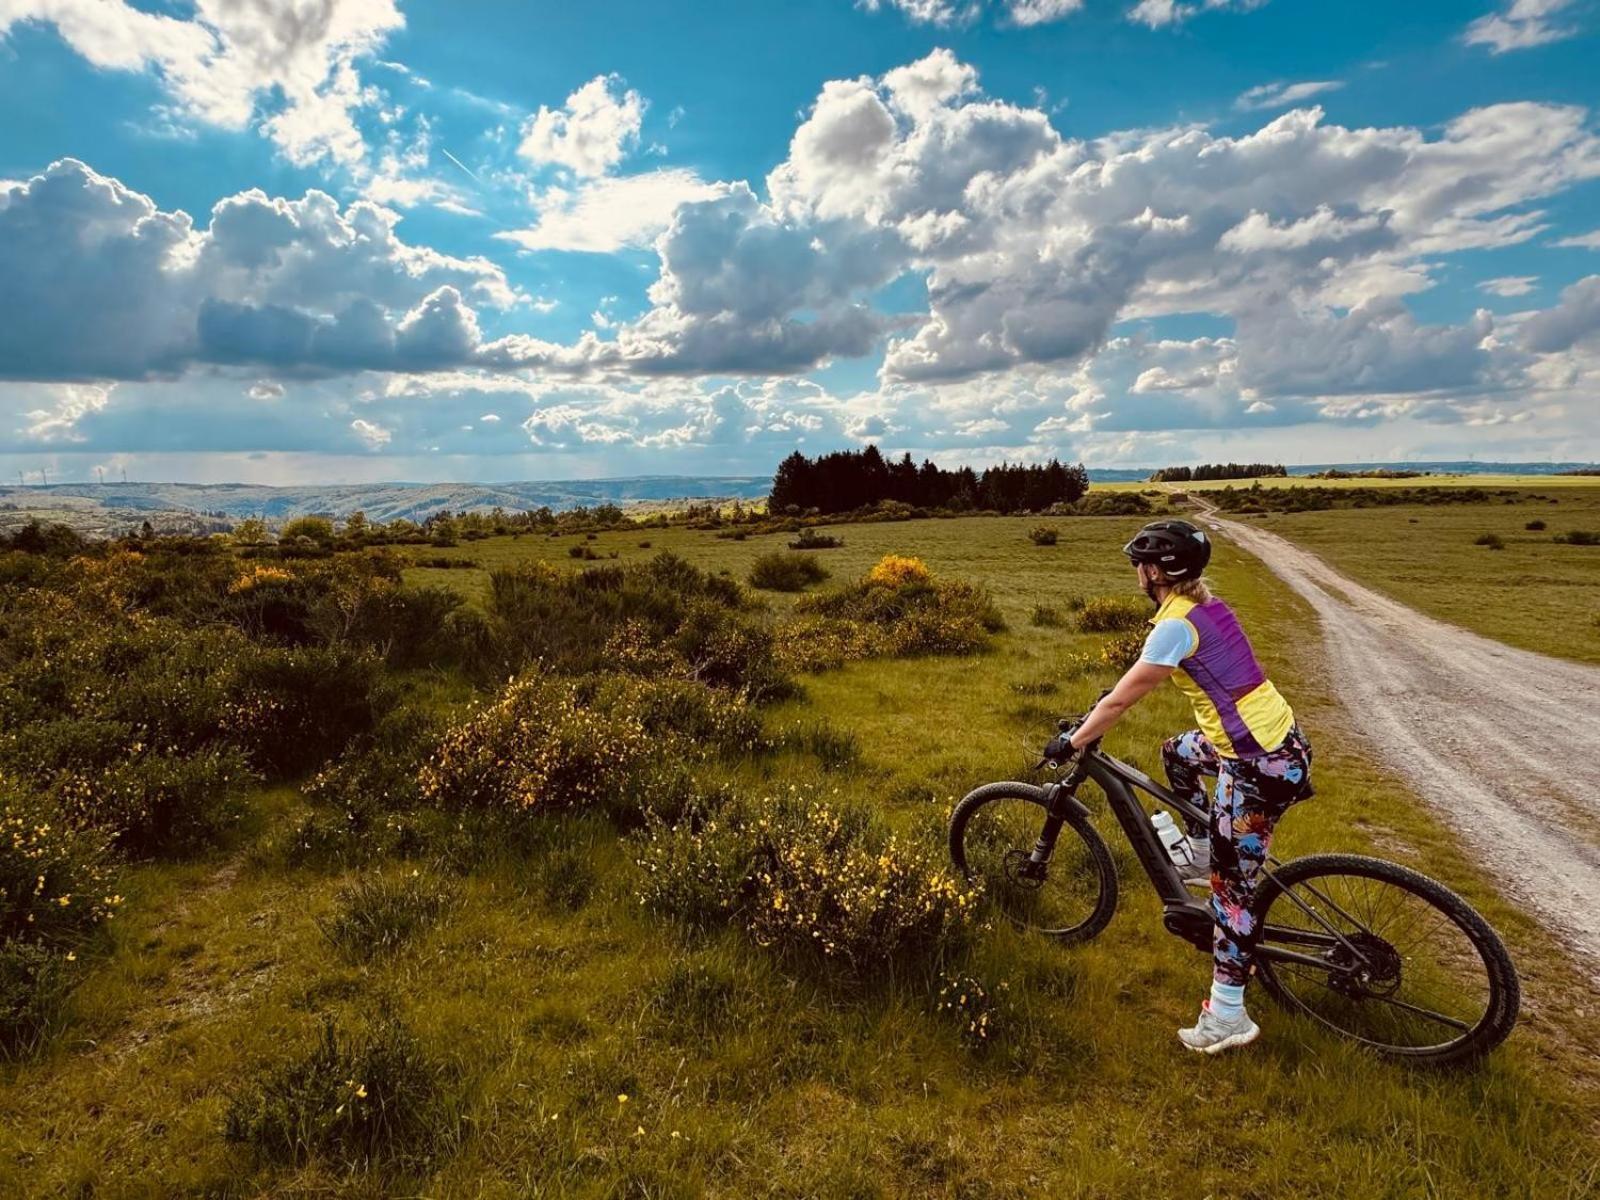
(1504, 743)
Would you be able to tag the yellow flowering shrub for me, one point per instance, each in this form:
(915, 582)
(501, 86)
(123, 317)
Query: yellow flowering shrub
(57, 884)
(899, 610)
(1121, 653)
(810, 881)
(898, 570)
(260, 575)
(615, 743)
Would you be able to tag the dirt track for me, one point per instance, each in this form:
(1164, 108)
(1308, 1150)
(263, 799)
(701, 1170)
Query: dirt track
(1504, 742)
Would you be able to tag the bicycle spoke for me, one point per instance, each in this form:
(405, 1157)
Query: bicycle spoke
(1401, 972)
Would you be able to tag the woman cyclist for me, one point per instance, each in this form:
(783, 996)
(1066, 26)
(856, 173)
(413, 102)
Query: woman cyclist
(1247, 738)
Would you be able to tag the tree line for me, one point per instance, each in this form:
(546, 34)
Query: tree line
(846, 480)
(1217, 471)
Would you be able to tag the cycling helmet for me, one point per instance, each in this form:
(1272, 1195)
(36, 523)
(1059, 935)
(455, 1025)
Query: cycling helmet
(1179, 549)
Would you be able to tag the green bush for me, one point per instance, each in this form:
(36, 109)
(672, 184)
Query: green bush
(812, 884)
(378, 913)
(566, 620)
(1535, 526)
(1045, 617)
(294, 707)
(1044, 535)
(684, 716)
(899, 610)
(1108, 504)
(812, 539)
(34, 983)
(721, 648)
(785, 571)
(1492, 540)
(1579, 537)
(370, 1098)
(1113, 614)
(160, 804)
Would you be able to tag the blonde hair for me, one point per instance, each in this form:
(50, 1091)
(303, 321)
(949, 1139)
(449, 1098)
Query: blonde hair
(1190, 589)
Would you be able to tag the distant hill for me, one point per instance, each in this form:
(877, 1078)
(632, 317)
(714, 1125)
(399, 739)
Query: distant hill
(111, 508)
(108, 509)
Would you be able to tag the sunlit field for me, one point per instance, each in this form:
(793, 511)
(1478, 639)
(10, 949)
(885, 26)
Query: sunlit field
(1531, 591)
(600, 1049)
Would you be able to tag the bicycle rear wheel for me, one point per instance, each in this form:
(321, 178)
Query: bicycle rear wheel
(1387, 957)
(1070, 896)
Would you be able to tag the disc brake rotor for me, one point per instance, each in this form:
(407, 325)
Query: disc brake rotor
(1022, 871)
(1373, 970)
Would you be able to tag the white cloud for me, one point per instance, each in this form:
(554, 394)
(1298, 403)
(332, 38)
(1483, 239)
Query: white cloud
(101, 284)
(1284, 95)
(926, 12)
(1521, 25)
(226, 64)
(1509, 285)
(1159, 14)
(1041, 12)
(591, 134)
(1022, 13)
(403, 176)
(605, 215)
(1581, 241)
(375, 436)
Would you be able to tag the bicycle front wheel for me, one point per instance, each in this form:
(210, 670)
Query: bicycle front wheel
(1385, 956)
(1069, 896)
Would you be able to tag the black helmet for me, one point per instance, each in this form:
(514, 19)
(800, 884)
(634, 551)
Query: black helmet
(1179, 549)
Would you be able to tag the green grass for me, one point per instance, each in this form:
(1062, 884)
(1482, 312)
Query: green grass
(1535, 593)
(554, 1002)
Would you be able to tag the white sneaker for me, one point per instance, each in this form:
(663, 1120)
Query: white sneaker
(1211, 1034)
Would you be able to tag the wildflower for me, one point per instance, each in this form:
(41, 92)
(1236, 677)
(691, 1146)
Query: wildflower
(622, 1097)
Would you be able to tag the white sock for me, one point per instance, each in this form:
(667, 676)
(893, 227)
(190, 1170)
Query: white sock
(1227, 1001)
(1199, 848)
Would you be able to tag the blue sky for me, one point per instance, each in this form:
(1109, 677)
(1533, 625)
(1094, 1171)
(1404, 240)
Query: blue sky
(307, 240)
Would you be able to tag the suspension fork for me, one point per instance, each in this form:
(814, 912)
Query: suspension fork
(1061, 801)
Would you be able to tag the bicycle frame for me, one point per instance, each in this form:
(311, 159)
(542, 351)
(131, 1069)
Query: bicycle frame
(1182, 914)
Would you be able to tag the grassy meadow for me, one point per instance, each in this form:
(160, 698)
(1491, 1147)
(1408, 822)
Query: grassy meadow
(585, 1044)
(1530, 591)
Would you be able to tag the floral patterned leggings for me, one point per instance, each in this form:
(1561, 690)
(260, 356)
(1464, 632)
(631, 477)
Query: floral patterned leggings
(1252, 793)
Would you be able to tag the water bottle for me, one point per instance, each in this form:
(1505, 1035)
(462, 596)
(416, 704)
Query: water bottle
(1173, 838)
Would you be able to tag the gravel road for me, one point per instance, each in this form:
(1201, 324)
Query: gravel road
(1505, 743)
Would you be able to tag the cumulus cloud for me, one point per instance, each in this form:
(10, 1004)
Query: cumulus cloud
(1519, 26)
(1034, 246)
(232, 60)
(1283, 95)
(589, 135)
(1575, 320)
(102, 284)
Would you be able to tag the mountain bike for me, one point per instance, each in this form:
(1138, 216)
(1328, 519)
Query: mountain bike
(1370, 949)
